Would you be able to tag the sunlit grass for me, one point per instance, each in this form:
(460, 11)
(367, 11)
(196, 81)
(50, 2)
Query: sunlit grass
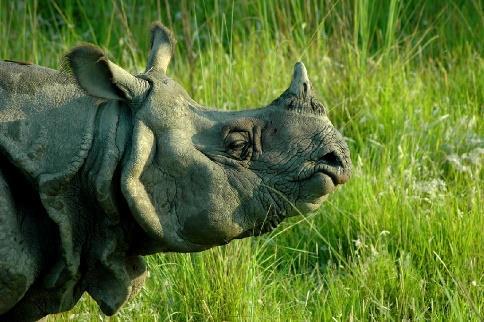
(404, 82)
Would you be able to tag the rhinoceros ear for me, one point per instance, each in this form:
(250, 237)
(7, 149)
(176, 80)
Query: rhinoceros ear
(162, 48)
(100, 77)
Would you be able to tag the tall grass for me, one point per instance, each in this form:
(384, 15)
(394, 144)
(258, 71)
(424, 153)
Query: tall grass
(404, 82)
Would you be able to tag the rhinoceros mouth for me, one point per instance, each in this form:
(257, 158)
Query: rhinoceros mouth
(336, 173)
(329, 164)
(316, 182)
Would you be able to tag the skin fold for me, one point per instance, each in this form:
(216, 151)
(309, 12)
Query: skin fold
(99, 167)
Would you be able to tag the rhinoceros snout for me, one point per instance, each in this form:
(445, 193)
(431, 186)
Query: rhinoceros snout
(332, 165)
(336, 165)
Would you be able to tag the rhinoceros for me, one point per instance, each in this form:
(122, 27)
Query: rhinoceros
(99, 167)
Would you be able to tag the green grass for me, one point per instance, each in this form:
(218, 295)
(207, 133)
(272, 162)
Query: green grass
(404, 81)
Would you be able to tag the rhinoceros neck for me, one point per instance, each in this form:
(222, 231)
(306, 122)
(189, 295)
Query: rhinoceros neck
(100, 174)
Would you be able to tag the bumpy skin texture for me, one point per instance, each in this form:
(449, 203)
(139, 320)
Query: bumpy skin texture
(99, 167)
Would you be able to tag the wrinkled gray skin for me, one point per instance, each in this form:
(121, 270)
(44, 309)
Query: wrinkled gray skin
(98, 167)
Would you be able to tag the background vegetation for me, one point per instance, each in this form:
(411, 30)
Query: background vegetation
(403, 80)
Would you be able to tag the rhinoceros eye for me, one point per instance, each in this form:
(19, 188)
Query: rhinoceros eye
(238, 145)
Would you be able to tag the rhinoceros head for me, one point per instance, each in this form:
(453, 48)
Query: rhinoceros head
(195, 177)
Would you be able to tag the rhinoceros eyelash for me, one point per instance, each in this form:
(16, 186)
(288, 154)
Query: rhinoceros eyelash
(237, 139)
(238, 145)
(240, 151)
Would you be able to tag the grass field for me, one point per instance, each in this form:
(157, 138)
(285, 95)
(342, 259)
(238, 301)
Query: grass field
(404, 82)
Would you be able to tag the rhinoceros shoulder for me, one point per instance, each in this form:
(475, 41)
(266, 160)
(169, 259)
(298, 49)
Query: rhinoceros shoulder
(45, 119)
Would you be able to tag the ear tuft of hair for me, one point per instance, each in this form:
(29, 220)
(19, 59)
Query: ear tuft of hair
(159, 30)
(74, 59)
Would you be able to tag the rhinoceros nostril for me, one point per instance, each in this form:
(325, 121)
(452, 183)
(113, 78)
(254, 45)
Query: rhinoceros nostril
(331, 159)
